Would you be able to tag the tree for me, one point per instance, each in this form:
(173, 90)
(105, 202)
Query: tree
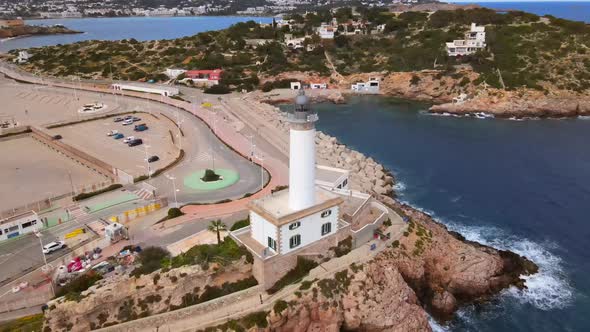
(217, 226)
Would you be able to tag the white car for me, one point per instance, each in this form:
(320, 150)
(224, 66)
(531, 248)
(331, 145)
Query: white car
(128, 122)
(53, 246)
(128, 139)
(112, 133)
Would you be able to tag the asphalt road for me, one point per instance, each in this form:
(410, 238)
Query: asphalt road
(200, 146)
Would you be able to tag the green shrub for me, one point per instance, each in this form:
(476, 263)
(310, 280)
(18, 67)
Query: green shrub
(174, 212)
(82, 196)
(218, 89)
(151, 259)
(225, 253)
(257, 319)
(74, 288)
(343, 247)
(240, 224)
(210, 176)
(294, 275)
(280, 306)
(227, 288)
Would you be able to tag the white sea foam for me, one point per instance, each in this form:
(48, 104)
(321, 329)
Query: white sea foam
(546, 290)
(399, 187)
(436, 327)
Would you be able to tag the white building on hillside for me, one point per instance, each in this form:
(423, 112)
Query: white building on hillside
(326, 31)
(174, 72)
(474, 40)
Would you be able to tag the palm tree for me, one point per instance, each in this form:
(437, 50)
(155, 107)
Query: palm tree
(217, 226)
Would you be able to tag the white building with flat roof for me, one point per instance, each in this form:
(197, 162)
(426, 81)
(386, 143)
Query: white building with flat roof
(166, 91)
(475, 40)
(20, 224)
(326, 31)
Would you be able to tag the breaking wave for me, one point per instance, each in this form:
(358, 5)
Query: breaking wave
(549, 289)
(546, 290)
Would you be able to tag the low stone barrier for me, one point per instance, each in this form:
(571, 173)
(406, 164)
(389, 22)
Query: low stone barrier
(82, 157)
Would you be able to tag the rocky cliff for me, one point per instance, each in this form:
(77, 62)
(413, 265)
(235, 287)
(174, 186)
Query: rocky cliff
(429, 270)
(361, 298)
(34, 30)
(432, 86)
(444, 269)
(520, 104)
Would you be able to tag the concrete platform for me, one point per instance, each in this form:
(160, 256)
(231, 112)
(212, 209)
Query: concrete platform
(31, 172)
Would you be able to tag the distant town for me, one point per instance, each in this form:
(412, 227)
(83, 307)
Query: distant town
(111, 8)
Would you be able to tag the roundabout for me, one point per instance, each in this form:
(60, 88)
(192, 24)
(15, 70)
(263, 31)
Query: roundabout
(227, 178)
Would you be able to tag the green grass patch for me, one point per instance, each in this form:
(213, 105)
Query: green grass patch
(32, 323)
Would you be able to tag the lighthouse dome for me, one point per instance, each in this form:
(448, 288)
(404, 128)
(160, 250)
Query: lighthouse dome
(301, 98)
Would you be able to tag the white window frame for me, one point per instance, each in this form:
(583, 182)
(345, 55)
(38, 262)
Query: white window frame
(294, 225)
(326, 214)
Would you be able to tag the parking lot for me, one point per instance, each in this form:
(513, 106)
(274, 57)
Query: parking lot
(35, 105)
(91, 137)
(31, 172)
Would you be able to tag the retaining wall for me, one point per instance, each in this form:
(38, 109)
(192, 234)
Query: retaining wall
(80, 156)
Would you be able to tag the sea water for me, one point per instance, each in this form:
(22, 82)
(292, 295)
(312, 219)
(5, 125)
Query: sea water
(140, 28)
(517, 185)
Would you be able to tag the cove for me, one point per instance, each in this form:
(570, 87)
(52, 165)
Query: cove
(518, 185)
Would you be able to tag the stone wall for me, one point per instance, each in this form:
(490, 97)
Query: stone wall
(269, 271)
(80, 156)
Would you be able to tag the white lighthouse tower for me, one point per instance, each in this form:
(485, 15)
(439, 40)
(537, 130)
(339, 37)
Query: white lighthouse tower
(302, 162)
(294, 221)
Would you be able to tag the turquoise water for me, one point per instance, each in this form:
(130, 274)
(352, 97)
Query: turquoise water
(517, 185)
(140, 28)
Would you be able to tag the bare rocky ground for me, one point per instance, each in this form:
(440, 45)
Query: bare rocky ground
(122, 298)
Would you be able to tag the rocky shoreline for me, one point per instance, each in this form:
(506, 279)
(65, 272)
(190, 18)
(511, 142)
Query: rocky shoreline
(30, 30)
(441, 90)
(430, 271)
(521, 104)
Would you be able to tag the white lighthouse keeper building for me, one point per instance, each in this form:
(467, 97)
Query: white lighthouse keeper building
(291, 219)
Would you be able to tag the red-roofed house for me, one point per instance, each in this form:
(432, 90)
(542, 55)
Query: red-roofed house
(210, 77)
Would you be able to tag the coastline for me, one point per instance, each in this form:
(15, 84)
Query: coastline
(506, 272)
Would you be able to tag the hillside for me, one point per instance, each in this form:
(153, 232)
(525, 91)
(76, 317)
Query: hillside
(546, 54)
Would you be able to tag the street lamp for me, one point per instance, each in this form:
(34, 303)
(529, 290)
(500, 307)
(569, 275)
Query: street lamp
(173, 179)
(178, 123)
(147, 161)
(39, 235)
(261, 158)
(251, 147)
